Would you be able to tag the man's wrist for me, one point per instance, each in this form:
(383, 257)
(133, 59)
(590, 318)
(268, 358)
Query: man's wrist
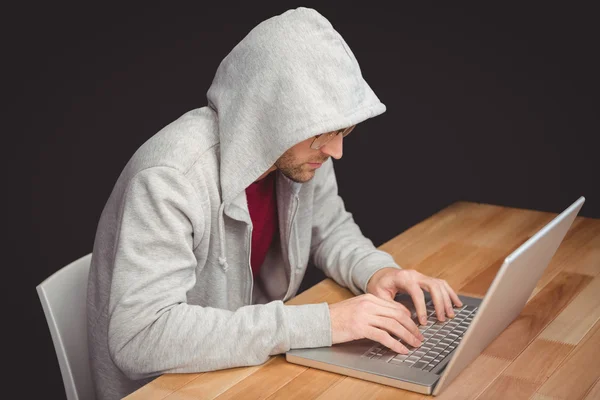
(372, 281)
(367, 267)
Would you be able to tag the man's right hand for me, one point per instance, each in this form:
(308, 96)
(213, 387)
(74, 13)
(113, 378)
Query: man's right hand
(370, 317)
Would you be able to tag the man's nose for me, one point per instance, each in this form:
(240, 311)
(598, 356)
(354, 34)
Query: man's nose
(334, 147)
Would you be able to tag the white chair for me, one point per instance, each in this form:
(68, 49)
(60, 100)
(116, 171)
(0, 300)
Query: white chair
(63, 297)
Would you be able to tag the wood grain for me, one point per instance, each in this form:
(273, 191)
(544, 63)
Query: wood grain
(510, 227)
(456, 262)
(536, 315)
(538, 396)
(474, 379)
(594, 393)
(479, 285)
(586, 261)
(508, 387)
(308, 385)
(578, 317)
(391, 393)
(421, 241)
(569, 256)
(584, 231)
(264, 382)
(576, 375)
(539, 360)
(211, 384)
(162, 387)
(352, 388)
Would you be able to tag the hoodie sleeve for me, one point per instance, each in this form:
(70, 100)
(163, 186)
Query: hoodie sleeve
(338, 246)
(152, 329)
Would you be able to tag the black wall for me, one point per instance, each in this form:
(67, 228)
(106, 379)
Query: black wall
(495, 105)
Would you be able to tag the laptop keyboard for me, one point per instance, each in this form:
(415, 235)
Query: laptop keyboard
(441, 338)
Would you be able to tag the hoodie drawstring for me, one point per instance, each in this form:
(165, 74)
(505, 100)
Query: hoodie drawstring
(222, 258)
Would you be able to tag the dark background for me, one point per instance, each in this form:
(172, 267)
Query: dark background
(494, 105)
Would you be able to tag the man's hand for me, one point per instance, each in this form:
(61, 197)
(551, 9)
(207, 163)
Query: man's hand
(368, 316)
(387, 282)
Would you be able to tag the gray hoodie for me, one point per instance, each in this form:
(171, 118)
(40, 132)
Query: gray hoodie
(170, 286)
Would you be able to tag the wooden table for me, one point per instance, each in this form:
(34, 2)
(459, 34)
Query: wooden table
(551, 351)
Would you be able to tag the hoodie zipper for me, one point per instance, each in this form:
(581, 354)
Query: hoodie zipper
(292, 268)
(250, 264)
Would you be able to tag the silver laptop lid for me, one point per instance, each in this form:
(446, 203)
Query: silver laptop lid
(509, 292)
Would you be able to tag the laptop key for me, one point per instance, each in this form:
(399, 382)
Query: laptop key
(369, 353)
(419, 365)
(432, 343)
(428, 368)
(397, 362)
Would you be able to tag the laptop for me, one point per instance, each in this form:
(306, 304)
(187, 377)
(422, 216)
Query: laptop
(450, 346)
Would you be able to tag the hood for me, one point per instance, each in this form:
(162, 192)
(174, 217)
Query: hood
(290, 78)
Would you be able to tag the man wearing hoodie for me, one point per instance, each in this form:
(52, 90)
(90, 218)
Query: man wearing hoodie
(213, 221)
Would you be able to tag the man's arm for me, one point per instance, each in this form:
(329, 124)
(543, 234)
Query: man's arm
(152, 328)
(338, 246)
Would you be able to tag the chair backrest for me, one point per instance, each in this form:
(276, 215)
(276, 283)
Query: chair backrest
(63, 297)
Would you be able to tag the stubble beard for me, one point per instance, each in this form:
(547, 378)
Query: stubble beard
(295, 171)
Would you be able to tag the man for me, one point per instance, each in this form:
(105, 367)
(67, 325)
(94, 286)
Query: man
(213, 221)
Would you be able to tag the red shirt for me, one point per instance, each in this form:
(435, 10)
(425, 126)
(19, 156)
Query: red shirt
(263, 212)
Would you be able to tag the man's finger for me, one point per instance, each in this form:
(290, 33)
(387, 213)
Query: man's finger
(438, 301)
(405, 320)
(385, 339)
(453, 295)
(393, 304)
(394, 327)
(418, 298)
(447, 302)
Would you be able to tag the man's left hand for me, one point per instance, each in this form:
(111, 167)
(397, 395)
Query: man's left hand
(387, 282)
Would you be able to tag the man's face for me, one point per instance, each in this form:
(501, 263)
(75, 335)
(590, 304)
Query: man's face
(300, 162)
